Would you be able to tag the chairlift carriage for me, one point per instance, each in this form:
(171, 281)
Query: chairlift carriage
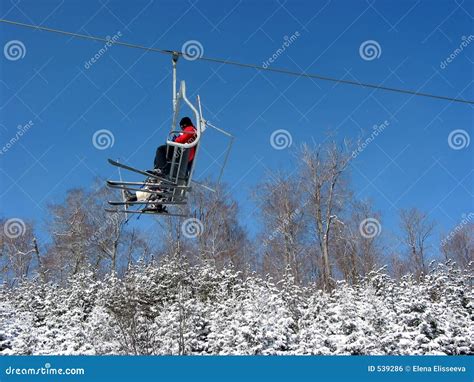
(170, 190)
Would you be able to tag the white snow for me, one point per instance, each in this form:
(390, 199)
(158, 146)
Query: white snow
(174, 308)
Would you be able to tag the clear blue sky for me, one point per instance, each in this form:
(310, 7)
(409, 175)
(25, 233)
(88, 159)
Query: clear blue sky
(128, 92)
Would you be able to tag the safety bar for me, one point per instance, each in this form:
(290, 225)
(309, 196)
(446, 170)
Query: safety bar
(229, 147)
(174, 133)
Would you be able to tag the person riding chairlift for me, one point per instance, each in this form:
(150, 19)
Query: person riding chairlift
(163, 159)
(162, 162)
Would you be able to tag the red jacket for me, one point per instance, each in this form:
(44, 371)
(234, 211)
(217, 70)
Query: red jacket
(188, 138)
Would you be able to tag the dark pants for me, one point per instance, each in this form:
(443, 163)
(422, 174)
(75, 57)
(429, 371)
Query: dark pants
(161, 159)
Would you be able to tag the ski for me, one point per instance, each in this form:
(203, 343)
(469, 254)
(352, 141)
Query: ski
(144, 173)
(158, 193)
(146, 212)
(169, 193)
(145, 184)
(124, 183)
(159, 202)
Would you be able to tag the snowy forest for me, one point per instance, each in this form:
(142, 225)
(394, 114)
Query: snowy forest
(320, 277)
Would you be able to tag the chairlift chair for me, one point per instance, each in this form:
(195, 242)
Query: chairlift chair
(172, 189)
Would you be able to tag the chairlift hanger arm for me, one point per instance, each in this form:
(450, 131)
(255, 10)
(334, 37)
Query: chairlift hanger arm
(182, 95)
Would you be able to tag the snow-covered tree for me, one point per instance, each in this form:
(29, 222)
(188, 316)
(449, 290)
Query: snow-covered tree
(173, 307)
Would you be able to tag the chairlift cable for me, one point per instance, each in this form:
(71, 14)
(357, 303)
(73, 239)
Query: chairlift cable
(241, 64)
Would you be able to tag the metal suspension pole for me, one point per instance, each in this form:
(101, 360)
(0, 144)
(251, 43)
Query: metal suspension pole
(175, 61)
